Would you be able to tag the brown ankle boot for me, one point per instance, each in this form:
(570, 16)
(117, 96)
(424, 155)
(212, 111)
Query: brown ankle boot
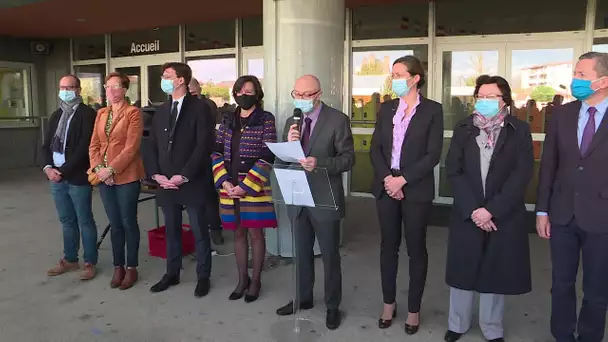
(62, 267)
(130, 278)
(119, 275)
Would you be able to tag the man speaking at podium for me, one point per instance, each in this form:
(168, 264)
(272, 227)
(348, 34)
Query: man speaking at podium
(327, 142)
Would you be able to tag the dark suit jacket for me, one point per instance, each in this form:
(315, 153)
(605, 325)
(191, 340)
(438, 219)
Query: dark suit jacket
(184, 151)
(420, 152)
(74, 170)
(331, 142)
(571, 186)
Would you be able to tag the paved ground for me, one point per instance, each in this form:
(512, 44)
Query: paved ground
(36, 308)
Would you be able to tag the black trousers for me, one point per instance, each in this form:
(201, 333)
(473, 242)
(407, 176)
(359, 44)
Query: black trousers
(328, 234)
(412, 217)
(173, 223)
(566, 245)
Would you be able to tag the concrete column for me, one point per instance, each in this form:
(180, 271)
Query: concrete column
(300, 37)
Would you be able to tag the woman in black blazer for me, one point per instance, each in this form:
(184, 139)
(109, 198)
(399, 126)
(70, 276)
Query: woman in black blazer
(405, 148)
(489, 165)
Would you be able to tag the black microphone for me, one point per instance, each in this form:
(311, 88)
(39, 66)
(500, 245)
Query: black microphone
(297, 118)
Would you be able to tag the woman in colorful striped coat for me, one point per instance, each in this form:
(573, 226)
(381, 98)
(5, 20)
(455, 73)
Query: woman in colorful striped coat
(241, 171)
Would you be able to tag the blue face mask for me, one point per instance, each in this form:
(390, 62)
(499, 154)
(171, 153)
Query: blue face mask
(305, 105)
(167, 86)
(400, 87)
(487, 107)
(581, 89)
(67, 95)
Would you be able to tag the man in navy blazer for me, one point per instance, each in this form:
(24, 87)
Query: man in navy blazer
(572, 203)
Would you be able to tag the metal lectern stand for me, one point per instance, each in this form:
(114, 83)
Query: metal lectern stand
(298, 190)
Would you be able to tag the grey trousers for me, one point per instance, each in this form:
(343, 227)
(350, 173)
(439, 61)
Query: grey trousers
(328, 234)
(491, 312)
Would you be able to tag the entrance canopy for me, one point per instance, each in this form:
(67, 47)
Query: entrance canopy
(71, 18)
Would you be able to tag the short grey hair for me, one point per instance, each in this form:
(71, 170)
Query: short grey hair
(601, 62)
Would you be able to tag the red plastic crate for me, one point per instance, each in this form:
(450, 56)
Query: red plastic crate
(157, 241)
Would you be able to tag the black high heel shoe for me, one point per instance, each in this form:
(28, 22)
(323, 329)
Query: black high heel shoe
(238, 295)
(386, 323)
(412, 329)
(252, 298)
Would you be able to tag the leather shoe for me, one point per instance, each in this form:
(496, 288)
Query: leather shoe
(500, 339)
(119, 275)
(288, 309)
(130, 279)
(165, 283)
(202, 288)
(411, 329)
(333, 319)
(451, 336)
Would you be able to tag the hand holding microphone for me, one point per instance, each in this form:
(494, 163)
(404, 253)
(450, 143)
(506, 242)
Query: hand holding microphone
(294, 130)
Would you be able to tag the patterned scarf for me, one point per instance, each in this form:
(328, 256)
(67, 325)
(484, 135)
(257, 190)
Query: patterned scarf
(58, 142)
(491, 125)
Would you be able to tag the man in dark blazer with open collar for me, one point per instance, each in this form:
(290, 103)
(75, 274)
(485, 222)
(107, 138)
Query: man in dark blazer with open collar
(66, 160)
(328, 144)
(572, 202)
(180, 144)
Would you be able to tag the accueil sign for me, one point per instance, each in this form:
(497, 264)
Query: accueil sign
(146, 47)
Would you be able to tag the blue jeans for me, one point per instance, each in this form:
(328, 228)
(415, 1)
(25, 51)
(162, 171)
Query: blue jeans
(120, 203)
(74, 206)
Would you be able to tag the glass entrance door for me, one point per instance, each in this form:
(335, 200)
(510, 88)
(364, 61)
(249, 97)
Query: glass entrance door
(539, 74)
(145, 74)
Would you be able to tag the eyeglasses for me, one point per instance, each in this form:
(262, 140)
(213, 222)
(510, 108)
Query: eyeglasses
(305, 95)
(112, 86)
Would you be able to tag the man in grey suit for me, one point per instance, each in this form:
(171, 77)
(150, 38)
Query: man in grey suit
(328, 144)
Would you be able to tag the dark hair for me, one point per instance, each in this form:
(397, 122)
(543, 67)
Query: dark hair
(500, 82)
(414, 67)
(76, 79)
(257, 87)
(124, 79)
(181, 70)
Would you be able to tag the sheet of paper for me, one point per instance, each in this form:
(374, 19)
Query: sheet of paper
(294, 187)
(290, 152)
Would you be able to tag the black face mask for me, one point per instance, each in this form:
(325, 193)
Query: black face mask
(246, 101)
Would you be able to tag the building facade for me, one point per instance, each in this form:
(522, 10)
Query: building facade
(533, 44)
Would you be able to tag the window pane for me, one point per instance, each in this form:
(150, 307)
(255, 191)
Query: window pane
(156, 96)
(363, 171)
(540, 80)
(371, 79)
(474, 17)
(146, 42)
(89, 47)
(255, 67)
(91, 81)
(460, 69)
(252, 32)
(600, 44)
(216, 76)
(133, 95)
(391, 21)
(13, 102)
(210, 35)
(601, 16)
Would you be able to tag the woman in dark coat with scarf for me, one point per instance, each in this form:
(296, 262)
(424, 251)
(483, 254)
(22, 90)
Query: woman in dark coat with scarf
(489, 165)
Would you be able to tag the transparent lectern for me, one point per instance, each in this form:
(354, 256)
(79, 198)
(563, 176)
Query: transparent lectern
(297, 189)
